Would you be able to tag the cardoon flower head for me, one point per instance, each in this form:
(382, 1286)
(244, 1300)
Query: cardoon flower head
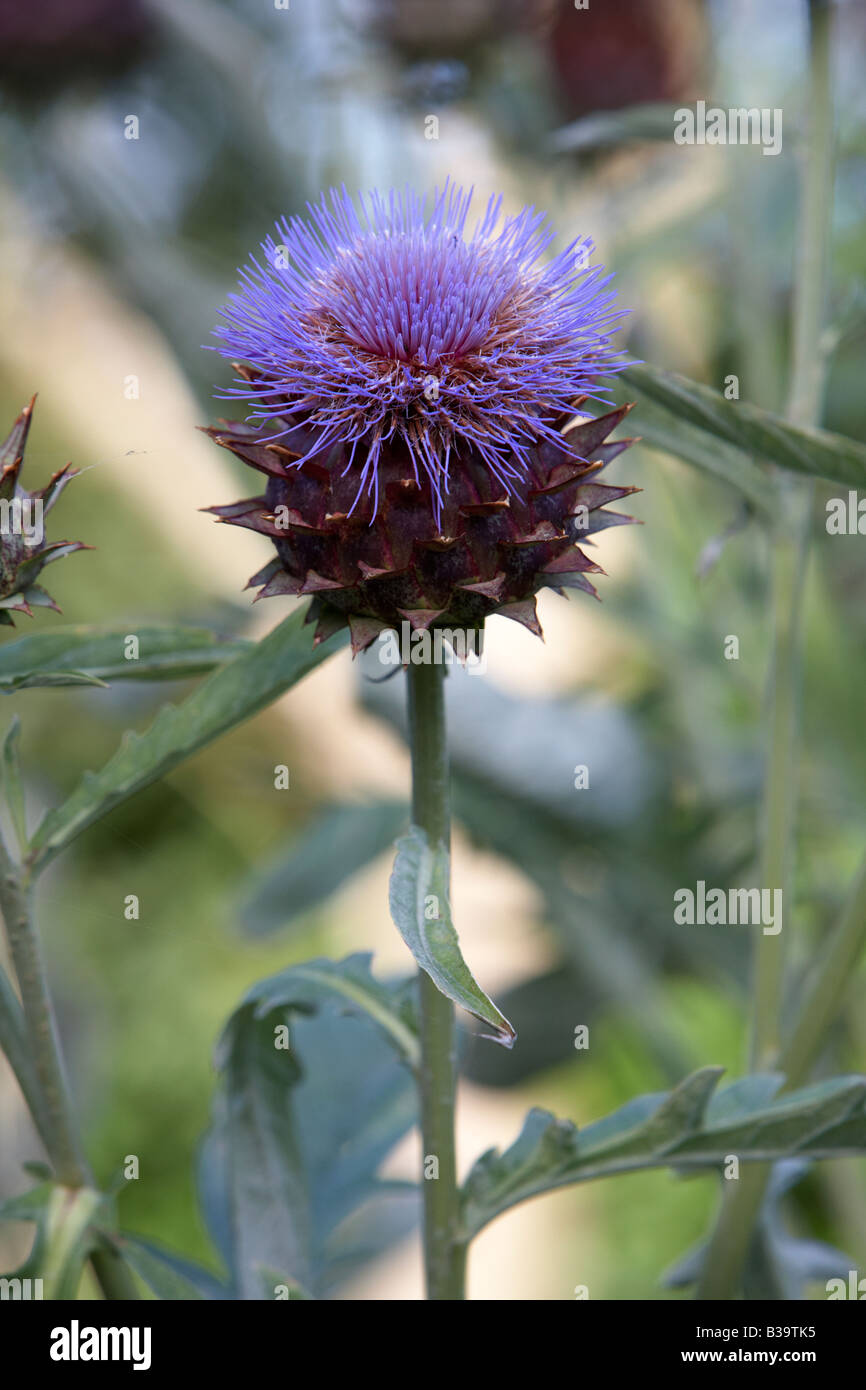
(23, 549)
(412, 390)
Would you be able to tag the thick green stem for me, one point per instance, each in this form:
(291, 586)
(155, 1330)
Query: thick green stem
(14, 1045)
(42, 1075)
(729, 1245)
(56, 1111)
(444, 1251)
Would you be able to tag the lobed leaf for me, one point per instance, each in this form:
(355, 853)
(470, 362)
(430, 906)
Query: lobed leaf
(687, 1128)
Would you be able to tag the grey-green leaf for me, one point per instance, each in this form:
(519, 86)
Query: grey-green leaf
(230, 695)
(303, 1121)
(757, 433)
(351, 986)
(422, 913)
(270, 1201)
(685, 1129)
(660, 429)
(93, 656)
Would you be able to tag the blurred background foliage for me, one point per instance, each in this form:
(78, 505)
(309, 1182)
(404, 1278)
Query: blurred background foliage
(116, 252)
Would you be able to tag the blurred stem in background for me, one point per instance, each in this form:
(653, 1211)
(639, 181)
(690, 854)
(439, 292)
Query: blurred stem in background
(46, 1091)
(444, 1253)
(728, 1248)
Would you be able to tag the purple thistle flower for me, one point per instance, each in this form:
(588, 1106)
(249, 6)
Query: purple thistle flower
(412, 396)
(394, 324)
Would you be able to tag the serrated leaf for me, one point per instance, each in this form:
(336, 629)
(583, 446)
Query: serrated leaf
(230, 695)
(680, 1129)
(93, 656)
(421, 911)
(757, 433)
(339, 843)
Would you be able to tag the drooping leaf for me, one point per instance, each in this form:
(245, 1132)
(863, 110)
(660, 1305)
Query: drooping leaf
(342, 841)
(422, 913)
(758, 433)
(289, 1172)
(92, 656)
(687, 1129)
(544, 1009)
(229, 696)
(526, 809)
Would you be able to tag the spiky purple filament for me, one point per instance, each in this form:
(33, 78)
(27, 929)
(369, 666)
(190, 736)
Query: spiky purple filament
(390, 326)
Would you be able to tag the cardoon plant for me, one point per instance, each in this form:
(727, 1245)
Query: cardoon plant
(424, 397)
(416, 398)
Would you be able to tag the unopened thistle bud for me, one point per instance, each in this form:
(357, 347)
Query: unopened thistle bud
(23, 549)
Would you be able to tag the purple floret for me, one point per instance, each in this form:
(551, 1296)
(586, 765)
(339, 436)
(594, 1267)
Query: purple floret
(387, 326)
